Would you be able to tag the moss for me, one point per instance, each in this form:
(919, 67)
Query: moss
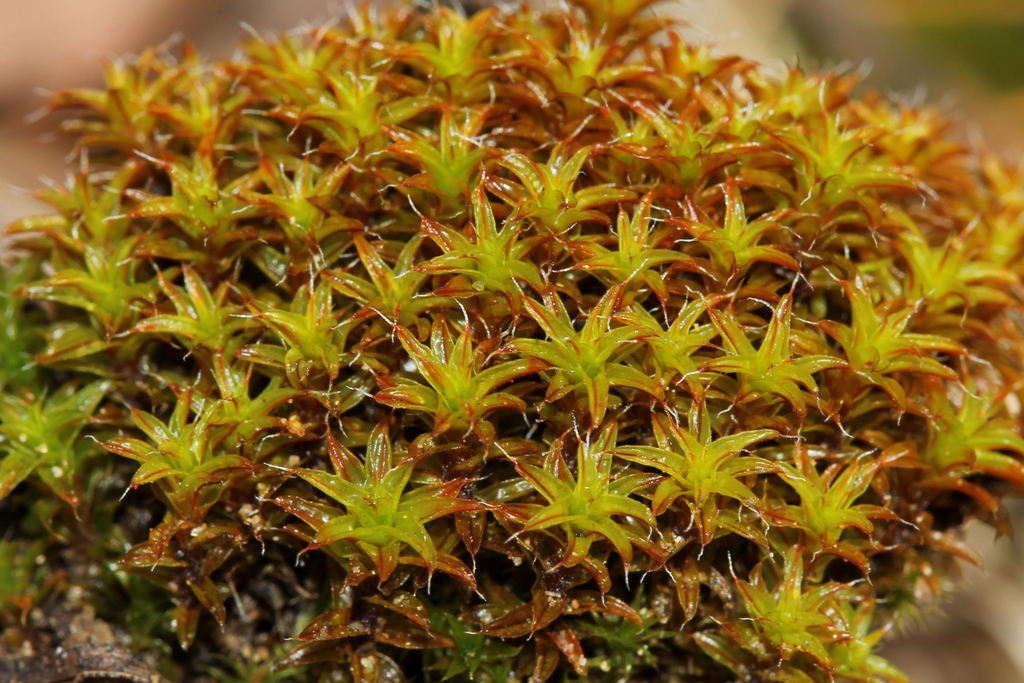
(520, 345)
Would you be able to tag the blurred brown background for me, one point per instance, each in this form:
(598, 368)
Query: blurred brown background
(967, 55)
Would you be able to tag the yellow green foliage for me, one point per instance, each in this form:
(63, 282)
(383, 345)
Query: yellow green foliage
(516, 346)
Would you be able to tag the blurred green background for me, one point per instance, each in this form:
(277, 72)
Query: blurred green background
(964, 55)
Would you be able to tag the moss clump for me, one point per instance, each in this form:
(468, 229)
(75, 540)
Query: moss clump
(513, 346)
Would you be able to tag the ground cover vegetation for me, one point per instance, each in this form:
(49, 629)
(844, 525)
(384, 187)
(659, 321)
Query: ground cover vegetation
(519, 345)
